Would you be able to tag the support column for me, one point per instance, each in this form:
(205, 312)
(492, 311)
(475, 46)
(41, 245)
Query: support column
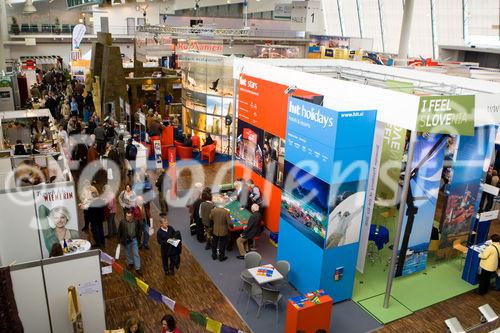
(4, 34)
(341, 17)
(433, 29)
(380, 4)
(360, 18)
(465, 21)
(404, 40)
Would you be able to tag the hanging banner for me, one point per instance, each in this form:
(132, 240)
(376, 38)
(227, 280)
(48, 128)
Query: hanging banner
(391, 157)
(446, 114)
(370, 195)
(464, 189)
(427, 168)
(78, 33)
(158, 157)
(57, 215)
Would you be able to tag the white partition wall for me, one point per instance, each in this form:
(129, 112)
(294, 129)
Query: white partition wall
(59, 275)
(41, 292)
(19, 238)
(27, 283)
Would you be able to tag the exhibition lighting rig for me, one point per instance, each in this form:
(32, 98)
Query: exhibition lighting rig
(195, 31)
(378, 79)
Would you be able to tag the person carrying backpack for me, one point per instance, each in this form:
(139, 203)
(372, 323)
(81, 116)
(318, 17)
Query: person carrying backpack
(130, 156)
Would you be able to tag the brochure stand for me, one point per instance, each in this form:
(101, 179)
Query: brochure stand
(309, 313)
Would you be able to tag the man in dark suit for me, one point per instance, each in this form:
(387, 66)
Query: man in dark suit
(251, 230)
(168, 251)
(222, 223)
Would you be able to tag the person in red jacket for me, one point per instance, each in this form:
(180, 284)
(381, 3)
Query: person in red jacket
(92, 154)
(168, 325)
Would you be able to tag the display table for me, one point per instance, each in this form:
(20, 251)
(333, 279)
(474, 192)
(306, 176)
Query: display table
(265, 274)
(471, 266)
(76, 246)
(309, 313)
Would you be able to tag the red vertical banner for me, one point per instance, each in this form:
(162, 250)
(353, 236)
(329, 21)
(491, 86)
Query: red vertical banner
(172, 172)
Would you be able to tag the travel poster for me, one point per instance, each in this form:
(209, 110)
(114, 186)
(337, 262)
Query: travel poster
(468, 167)
(249, 146)
(346, 213)
(304, 203)
(57, 215)
(426, 168)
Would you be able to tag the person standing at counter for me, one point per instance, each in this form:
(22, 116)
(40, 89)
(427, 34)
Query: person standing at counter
(130, 156)
(222, 224)
(489, 264)
(205, 208)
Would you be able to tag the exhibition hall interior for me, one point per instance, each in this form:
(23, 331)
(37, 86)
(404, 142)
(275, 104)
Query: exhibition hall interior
(249, 166)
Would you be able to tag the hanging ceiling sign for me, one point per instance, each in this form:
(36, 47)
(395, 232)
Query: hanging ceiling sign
(446, 114)
(78, 33)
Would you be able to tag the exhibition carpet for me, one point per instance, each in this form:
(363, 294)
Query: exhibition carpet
(347, 316)
(439, 282)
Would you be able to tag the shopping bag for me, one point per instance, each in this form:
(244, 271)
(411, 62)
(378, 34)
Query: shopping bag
(151, 227)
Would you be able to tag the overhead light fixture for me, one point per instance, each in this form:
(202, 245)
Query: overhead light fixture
(29, 8)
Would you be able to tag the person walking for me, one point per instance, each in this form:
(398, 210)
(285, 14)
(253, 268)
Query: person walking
(168, 250)
(163, 184)
(143, 215)
(205, 208)
(86, 197)
(222, 223)
(127, 198)
(489, 264)
(110, 211)
(96, 218)
(130, 156)
(252, 229)
(129, 232)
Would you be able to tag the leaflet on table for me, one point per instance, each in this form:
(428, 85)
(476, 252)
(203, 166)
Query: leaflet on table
(174, 242)
(268, 272)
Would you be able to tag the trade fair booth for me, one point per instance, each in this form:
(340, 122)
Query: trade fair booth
(340, 172)
(38, 205)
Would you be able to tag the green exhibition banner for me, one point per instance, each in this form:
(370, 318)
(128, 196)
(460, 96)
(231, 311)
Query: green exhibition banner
(390, 164)
(446, 114)
(401, 86)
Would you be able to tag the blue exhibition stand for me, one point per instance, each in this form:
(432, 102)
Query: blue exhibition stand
(327, 161)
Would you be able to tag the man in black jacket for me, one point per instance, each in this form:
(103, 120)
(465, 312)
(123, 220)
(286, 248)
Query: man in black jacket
(96, 219)
(168, 250)
(130, 156)
(129, 233)
(163, 184)
(252, 229)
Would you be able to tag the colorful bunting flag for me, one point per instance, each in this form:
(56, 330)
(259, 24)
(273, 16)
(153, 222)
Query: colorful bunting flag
(155, 295)
(117, 268)
(129, 277)
(213, 325)
(170, 303)
(227, 329)
(198, 318)
(181, 310)
(142, 285)
(106, 258)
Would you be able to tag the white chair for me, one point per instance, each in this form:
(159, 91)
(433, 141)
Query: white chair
(251, 289)
(283, 267)
(269, 296)
(252, 259)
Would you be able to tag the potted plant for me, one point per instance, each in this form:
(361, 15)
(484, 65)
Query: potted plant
(14, 27)
(57, 26)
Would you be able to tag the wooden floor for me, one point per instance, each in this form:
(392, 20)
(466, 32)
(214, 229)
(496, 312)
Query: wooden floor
(432, 319)
(192, 287)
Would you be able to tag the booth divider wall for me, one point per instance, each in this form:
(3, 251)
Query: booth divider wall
(41, 292)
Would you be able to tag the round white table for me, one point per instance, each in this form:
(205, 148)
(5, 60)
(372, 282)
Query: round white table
(76, 246)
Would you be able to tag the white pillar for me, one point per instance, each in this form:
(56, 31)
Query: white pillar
(404, 41)
(4, 34)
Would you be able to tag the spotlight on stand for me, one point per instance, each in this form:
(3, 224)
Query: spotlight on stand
(29, 8)
(290, 90)
(454, 325)
(487, 314)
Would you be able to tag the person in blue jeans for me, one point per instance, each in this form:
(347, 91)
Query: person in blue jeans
(129, 233)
